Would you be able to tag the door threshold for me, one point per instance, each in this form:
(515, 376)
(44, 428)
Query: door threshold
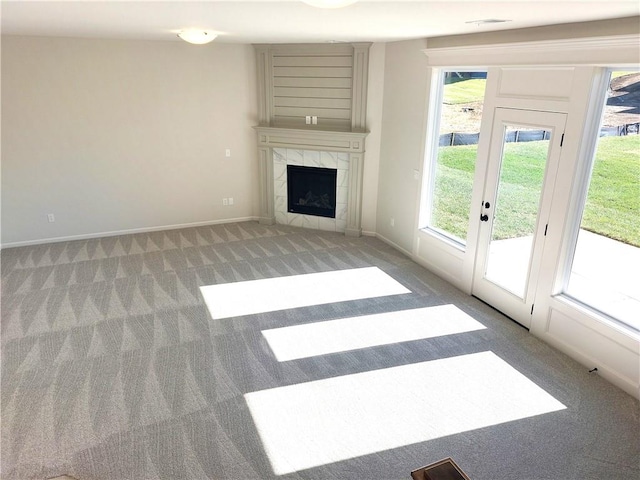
(501, 313)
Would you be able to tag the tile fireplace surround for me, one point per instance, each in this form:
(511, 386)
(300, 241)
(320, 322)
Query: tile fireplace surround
(344, 151)
(310, 158)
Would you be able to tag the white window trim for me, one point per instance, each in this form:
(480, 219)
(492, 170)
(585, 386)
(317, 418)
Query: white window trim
(582, 182)
(436, 93)
(578, 51)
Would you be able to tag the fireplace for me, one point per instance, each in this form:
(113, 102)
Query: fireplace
(342, 151)
(337, 141)
(311, 191)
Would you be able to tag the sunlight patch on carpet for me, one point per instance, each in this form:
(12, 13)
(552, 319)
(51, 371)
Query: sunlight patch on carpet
(321, 338)
(321, 422)
(281, 293)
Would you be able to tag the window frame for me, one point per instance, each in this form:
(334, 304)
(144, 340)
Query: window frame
(582, 183)
(430, 160)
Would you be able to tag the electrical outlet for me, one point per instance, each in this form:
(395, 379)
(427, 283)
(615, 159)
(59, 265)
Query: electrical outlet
(314, 120)
(307, 119)
(392, 222)
(225, 202)
(227, 153)
(230, 200)
(51, 217)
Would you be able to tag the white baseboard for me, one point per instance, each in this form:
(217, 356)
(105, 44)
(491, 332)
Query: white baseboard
(631, 386)
(125, 232)
(394, 245)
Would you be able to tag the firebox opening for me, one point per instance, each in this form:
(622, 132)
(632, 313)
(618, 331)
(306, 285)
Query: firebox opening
(311, 191)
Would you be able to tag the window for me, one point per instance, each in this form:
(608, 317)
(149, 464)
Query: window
(452, 157)
(606, 260)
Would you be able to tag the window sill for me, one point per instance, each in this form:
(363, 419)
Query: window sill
(599, 318)
(436, 234)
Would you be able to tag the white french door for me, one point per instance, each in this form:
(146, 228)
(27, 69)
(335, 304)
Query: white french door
(524, 154)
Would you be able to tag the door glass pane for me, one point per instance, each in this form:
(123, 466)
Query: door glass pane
(606, 262)
(515, 213)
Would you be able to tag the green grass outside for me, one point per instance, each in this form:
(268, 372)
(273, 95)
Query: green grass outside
(613, 202)
(612, 209)
(461, 91)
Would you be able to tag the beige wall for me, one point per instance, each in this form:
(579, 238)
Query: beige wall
(120, 135)
(401, 151)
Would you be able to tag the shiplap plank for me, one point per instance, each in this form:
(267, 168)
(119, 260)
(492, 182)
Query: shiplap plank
(310, 92)
(311, 50)
(312, 82)
(341, 103)
(313, 111)
(335, 61)
(314, 72)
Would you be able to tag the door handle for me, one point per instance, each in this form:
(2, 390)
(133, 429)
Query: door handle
(485, 217)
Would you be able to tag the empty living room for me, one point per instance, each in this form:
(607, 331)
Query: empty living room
(320, 239)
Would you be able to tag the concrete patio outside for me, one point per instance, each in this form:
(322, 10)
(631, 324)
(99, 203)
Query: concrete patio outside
(605, 273)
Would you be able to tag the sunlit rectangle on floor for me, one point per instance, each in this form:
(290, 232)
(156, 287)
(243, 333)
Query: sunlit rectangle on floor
(321, 338)
(281, 293)
(321, 422)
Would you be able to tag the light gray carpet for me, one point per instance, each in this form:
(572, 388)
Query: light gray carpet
(112, 367)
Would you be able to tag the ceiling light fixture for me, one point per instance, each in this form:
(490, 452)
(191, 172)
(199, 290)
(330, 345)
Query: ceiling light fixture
(329, 3)
(487, 21)
(197, 37)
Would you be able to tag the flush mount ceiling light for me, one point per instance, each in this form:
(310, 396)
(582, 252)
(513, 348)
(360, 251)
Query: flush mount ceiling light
(487, 21)
(197, 37)
(329, 3)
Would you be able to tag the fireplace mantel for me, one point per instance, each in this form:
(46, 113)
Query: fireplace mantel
(307, 139)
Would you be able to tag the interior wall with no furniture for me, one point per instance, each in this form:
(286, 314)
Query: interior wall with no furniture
(402, 137)
(113, 135)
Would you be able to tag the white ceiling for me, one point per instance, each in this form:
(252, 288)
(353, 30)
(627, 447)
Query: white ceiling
(264, 21)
